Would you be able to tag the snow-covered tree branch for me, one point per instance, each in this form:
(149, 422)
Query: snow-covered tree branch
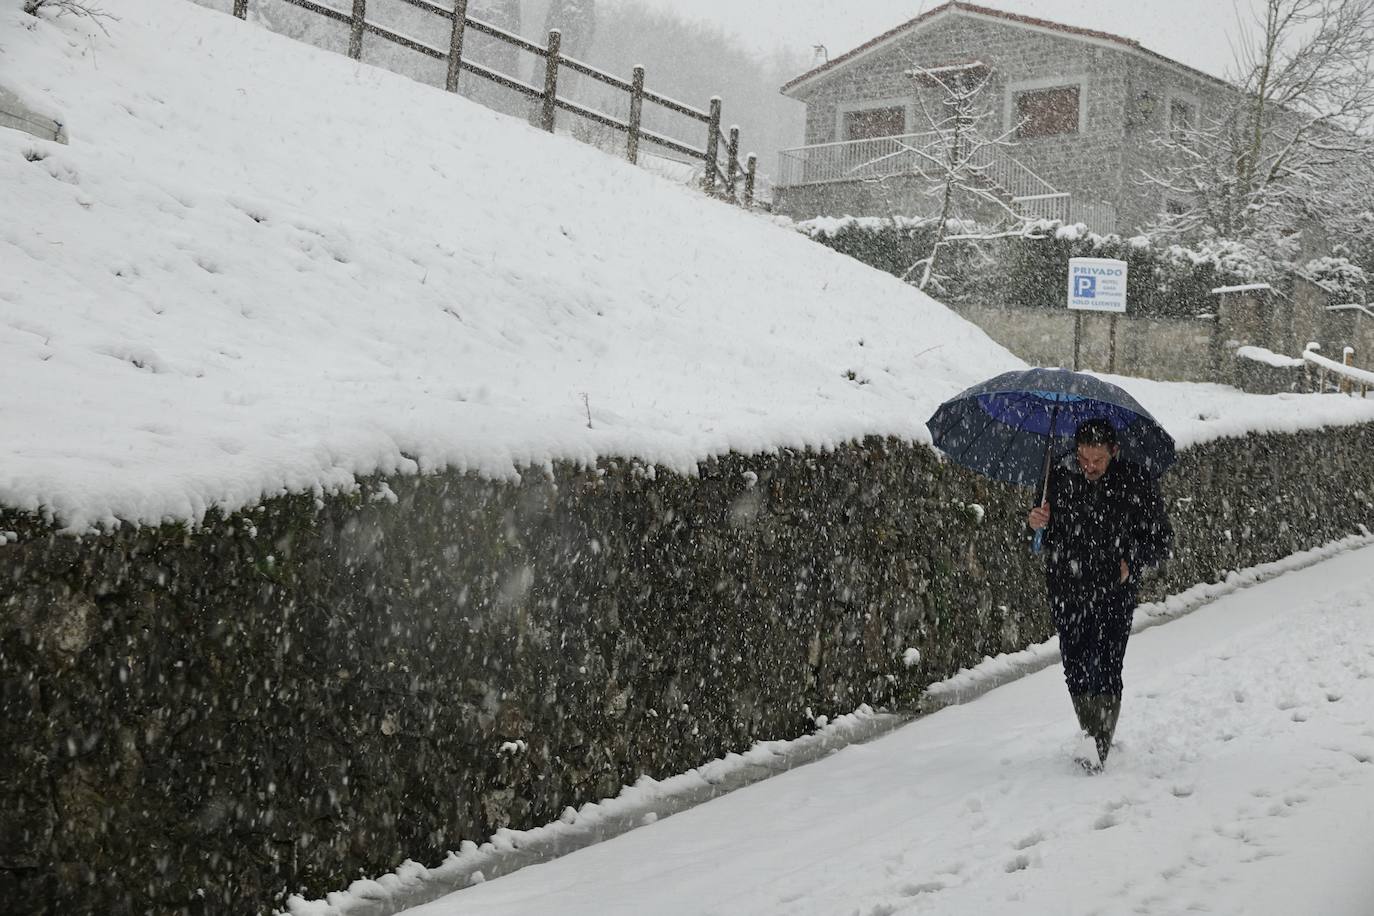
(72, 7)
(955, 157)
(1294, 148)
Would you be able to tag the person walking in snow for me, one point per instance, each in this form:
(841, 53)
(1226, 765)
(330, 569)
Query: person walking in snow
(1104, 525)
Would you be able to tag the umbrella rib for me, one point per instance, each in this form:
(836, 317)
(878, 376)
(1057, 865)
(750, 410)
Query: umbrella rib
(955, 421)
(1011, 440)
(973, 439)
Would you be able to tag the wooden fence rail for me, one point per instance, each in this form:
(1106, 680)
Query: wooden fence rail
(1349, 379)
(721, 177)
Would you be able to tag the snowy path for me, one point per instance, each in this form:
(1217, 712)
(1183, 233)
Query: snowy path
(1244, 784)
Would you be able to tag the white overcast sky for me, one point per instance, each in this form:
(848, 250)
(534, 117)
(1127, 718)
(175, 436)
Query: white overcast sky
(1194, 32)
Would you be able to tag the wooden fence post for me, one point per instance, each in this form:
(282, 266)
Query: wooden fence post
(455, 45)
(713, 144)
(355, 37)
(636, 114)
(241, 9)
(1347, 357)
(551, 80)
(749, 176)
(732, 166)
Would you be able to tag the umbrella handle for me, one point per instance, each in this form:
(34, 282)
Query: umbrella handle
(1036, 545)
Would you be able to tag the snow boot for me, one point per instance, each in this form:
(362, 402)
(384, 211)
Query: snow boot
(1107, 707)
(1097, 715)
(1085, 708)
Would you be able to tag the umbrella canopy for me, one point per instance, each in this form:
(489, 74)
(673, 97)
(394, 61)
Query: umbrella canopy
(1005, 427)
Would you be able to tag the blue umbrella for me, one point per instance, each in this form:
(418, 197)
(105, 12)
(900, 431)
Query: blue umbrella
(1010, 427)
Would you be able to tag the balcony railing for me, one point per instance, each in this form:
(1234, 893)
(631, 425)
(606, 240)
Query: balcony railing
(1028, 194)
(850, 160)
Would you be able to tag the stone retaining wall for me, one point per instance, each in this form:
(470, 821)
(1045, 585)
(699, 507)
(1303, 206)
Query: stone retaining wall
(202, 720)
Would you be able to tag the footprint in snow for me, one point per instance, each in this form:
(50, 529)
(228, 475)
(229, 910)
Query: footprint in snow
(1026, 842)
(1019, 863)
(1283, 807)
(924, 887)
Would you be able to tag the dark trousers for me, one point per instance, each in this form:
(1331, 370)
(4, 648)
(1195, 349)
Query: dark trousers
(1093, 628)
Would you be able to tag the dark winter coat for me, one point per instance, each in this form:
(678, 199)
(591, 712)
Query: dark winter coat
(1094, 525)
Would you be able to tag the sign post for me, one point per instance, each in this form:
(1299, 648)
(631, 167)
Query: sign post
(1096, 285)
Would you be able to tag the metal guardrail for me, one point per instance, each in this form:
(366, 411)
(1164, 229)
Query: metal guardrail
(720, 157)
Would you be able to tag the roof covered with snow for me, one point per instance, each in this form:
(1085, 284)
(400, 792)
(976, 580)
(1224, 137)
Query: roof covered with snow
(960, 8)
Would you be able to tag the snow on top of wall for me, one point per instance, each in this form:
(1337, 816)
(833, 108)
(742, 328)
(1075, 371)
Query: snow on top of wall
(1269, 357)
(259, 267)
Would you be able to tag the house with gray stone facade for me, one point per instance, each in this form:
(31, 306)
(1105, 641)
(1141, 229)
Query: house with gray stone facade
(1079, 108)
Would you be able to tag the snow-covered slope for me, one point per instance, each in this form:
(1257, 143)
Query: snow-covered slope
(259, 266)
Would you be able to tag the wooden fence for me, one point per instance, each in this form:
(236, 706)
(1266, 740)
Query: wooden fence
(722, 177)
(1349, 379)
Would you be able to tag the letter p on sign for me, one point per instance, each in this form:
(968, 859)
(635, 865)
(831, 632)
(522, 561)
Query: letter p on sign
(1085, 287)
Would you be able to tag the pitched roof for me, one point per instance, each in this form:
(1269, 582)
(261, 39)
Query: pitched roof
(1014, 18)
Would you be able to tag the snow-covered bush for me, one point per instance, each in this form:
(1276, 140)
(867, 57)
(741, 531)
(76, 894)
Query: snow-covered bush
(1027, 270)
(1338, 276)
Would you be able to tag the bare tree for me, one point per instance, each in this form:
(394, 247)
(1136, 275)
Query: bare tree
(496, 54)
(576, 19)
(956, 158)
(691, 60)
(1294, 148)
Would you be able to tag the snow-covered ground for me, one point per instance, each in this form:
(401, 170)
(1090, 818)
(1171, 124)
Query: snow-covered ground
(261, 267)
(1243, 783)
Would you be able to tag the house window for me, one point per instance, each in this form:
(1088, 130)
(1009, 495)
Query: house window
(1182, 119)
(874, 122)
(1047, 112)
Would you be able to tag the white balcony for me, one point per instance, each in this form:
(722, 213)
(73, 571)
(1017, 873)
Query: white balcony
(876, 158)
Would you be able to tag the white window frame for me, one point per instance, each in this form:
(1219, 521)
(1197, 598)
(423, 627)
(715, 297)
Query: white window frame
(903, 102)
(1186, 98)
(1069, 81)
